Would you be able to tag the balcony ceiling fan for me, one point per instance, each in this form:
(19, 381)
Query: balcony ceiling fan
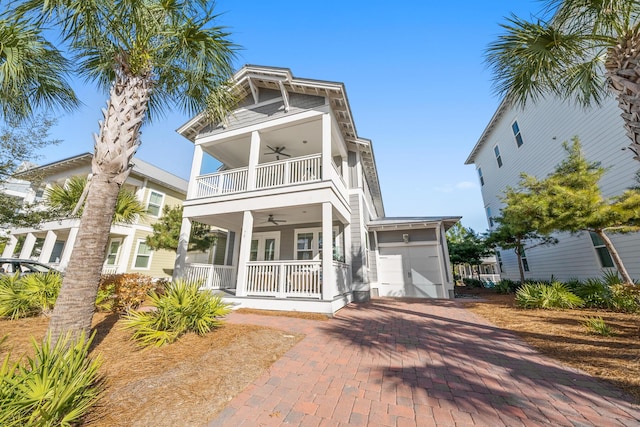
(272, 220)
(278, 151)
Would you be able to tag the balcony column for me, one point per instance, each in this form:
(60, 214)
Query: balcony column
(244, 253)
(27, 247)
(326, 146)
(68, 248)
(47, 247)
(345, 171)
(10, 246)
(183, 246)
(328, 273)
(254, 153)
(196, 167)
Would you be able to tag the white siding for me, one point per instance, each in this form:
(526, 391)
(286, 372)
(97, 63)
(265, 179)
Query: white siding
(544, 127)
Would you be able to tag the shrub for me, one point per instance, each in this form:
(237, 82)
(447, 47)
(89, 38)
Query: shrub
(31, 294)
(183, 308)
(123, 292)
(541, 295)
(625, 298)
(54, 388)
(594, 292)
(506, 286)
(472, 283)
(596, 325)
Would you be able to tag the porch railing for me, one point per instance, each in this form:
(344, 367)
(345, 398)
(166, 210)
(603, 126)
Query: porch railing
(291, 171)
(285, 279)
(215, 184)
(110, 269)
(211, 276)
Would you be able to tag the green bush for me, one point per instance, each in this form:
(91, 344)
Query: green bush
(54, 388)
(594, 292)
(506, 286)
(182, 308)
(597, 325)
(123, 292)
(31, 294)
(472, 283)
(625, 298)
(541, 295)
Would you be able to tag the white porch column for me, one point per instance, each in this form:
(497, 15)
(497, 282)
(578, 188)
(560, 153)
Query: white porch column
(347, 246)
(47, 247)
(27, 247)
(68, 248)
(244, 253)
(124, 258)
(196, 166)
(326, 146)
(10, 246)
(328, 273)
(183, 246)
(345, 171)
(254, 153)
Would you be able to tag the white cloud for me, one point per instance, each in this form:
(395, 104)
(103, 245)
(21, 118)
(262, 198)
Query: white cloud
(462, 185)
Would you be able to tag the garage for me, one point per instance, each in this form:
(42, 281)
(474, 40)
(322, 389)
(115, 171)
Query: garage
(412, 271)
(409, 257)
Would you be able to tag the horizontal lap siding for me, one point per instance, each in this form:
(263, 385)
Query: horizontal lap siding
(356, 239)
(544, 126)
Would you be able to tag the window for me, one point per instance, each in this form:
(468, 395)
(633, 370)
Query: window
(489, 217)
(523, 258)
(480, 176)
(309, 244)
(517, 134)
(143, 256)
(56, 253)
(154, 206)
(496, 150)
(499, 259)
(603, 253)
(113, 251)
(265, 246)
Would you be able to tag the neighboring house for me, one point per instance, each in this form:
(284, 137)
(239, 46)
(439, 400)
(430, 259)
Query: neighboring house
(52, 242)
(294, 171)
(530, 140)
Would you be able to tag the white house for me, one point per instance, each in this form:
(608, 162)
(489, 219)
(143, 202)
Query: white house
(294, 171)
(530, 140)
(52, 242)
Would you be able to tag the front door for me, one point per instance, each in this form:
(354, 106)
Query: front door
(265, 246)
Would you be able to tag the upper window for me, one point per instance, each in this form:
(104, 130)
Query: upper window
(480, 176)
(154, 206)
(523, 258)
(489, 217)
(517, 134)
(496, 150)
(603, 253)
(143, 255)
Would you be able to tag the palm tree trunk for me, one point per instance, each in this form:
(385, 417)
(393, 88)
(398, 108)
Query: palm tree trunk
(615, 257)
(116, 144)
(623, 74)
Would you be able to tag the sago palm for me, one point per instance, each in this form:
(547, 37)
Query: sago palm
(581, 50)
(151, 56)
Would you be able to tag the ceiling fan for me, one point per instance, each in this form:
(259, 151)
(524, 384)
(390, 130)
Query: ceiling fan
(272, 220)
(278, 151)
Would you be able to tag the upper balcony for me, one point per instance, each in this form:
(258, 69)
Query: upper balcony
(297, 152)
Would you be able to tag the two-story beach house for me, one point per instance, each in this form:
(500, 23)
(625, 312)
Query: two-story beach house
(52, 242)
(530, 140)
(298, 192)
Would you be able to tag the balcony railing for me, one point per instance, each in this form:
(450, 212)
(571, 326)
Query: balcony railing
(268, 175)
(211, 276)
(284, 279)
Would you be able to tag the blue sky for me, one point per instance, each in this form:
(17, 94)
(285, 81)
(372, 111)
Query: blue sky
(414, 75)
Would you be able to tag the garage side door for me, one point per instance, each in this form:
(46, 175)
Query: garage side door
(409, 271)
(425, 271)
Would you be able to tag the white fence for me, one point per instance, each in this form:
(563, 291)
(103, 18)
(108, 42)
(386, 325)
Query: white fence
(214, 184)
(291, 171)
(284, 279)
(211, 276)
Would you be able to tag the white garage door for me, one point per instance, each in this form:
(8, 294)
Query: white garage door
(412, 271)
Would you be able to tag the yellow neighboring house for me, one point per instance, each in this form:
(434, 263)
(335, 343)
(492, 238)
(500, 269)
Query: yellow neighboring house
(52, 242)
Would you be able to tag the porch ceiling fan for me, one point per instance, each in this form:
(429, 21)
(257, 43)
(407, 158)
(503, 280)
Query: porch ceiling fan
(272, 220)
(278, 151)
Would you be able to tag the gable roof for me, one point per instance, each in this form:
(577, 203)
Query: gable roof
(252, 77)
(502, 108)
(140, 168)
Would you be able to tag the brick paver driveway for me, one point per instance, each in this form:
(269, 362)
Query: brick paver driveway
(426, 363)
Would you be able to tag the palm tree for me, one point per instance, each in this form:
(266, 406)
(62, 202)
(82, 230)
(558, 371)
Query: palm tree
(66, 201)
(149, 55)
(33, 73)
(565, 55)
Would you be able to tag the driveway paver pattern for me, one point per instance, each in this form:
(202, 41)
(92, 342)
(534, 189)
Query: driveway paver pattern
(418, 363)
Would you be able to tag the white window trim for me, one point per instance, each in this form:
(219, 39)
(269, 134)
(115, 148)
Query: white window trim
(261, 237)
(515, 135)
(118, 252)
(161, 206)
(135, 257)
(498, 156)
(315, 250)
